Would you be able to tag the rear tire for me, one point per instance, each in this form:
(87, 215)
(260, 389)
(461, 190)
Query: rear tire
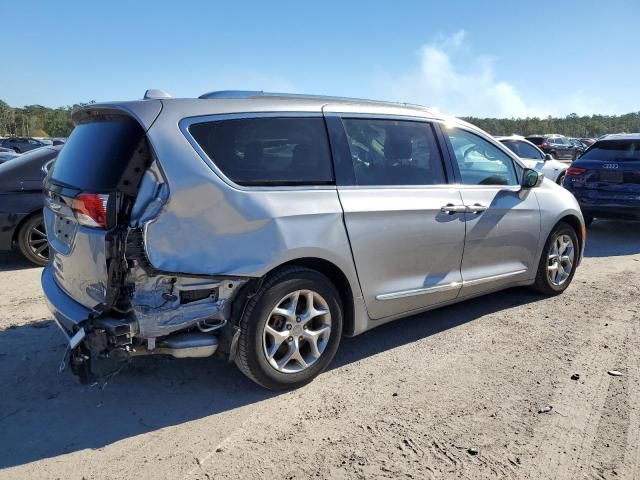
(32, 240)
(558, 261)
(290, 330)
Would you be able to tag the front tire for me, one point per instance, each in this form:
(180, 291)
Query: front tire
(32, 240)
(560, 179)
(290, 330)
(558, 261)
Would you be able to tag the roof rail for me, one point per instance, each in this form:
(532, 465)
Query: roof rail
(261, 93)
(233, 94)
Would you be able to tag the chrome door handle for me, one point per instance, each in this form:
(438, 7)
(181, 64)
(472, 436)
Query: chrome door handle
(476, 208)
(451, 209)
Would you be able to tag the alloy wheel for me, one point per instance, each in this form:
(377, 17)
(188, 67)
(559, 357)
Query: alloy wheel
(37, 241)
(561, 258)
(297, 331)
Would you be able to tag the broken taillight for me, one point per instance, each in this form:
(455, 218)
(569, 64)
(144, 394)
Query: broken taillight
(91, 209)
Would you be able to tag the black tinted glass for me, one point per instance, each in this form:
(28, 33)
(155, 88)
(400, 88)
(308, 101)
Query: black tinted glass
(96, 154)
(613, 151)
(268, 151)
(527, 151)
(536, 140)
(388, 152)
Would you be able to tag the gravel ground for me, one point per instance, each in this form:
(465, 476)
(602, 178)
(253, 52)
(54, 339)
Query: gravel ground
(454, 393)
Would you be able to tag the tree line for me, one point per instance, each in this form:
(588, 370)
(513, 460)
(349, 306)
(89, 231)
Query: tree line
(36, 120)
(586, 126)
(39, 121)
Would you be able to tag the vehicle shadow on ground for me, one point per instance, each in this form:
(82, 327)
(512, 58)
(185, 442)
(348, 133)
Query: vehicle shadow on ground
(44, 415)
(10, 261)
(612, 239)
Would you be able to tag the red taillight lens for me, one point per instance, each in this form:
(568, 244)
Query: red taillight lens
(575, 171)
(91, 209)
(544, 145)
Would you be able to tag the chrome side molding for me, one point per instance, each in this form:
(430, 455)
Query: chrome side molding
(447, 286)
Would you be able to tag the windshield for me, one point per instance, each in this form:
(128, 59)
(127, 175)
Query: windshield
(614, 151)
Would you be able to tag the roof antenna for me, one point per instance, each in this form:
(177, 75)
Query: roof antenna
(154, 93)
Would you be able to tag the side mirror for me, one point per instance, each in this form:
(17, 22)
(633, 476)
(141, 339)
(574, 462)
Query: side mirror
(531, 178)
(548, 156)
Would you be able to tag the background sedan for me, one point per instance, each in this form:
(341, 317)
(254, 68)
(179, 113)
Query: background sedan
(21, 222)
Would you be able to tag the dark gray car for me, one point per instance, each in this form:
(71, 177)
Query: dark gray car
(558, 146)
(21, 222)
(22, 144)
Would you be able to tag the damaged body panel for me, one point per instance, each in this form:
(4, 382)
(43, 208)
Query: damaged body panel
(164, 304)
(247, 225)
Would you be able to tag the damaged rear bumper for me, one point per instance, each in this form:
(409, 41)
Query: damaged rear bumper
(67, 313)
(175, 320)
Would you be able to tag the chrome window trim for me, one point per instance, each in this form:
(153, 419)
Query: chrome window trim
(186, 122)
(447, 286)
(382, 116)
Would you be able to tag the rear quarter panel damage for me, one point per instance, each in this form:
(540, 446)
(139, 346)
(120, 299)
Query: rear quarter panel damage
(209, 227)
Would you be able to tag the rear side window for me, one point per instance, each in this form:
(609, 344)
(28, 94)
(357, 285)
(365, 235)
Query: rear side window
(613, 151)
(96, 154)
(390, 152)
(268, 151)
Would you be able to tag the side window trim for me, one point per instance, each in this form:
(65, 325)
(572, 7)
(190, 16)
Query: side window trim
(341, 153)
(186, 122)
(516, 166)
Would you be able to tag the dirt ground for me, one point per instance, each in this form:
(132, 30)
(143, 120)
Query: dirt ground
(454, 393)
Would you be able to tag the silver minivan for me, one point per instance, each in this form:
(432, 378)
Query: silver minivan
(263, 227)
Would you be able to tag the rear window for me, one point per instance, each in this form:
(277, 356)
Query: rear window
(536, 140)
(614, 151)
(268, 151)
(96, 154)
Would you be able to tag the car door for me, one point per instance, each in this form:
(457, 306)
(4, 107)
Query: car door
(405, 222)
(502, 219)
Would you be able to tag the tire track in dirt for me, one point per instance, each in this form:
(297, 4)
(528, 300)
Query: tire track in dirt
(568, 437)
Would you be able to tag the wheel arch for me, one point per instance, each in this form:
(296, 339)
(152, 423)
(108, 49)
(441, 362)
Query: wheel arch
(578, 227)
(339, 280)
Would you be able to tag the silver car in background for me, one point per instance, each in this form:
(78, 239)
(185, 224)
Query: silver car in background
(263, 227)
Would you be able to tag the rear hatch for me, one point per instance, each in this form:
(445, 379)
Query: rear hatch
(609, 173)
(89, 194)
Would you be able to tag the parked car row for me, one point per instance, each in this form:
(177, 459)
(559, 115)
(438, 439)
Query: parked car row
(535, 158)
(604, 175)
(606, 178)
(558, 146)
(25, 144)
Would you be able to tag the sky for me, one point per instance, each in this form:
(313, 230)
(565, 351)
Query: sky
(486, 59)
